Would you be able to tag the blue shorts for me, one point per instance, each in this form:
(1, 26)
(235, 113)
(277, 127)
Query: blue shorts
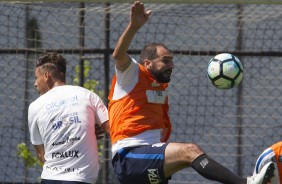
(140, 165)
(44, 181)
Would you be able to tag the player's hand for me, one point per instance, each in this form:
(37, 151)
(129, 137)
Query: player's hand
(100, 133)
(138, 15)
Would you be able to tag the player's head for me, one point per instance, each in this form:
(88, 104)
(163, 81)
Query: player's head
(50, 68)
(157, 58)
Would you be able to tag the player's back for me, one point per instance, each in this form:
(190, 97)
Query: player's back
(65, 117)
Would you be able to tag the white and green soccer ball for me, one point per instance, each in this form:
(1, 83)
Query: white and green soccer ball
(225, 71)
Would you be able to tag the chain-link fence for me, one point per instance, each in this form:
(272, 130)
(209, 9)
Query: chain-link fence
(233, 126)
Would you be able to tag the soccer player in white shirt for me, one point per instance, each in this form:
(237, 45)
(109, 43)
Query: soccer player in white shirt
(62, 125)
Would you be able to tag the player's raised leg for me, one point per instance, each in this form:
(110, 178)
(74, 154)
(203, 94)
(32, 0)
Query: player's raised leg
(181, 155)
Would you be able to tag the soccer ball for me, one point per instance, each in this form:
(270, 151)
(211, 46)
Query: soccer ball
(225, 71)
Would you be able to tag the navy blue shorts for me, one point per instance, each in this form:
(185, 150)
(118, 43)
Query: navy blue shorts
(44, 181)
(140, 165)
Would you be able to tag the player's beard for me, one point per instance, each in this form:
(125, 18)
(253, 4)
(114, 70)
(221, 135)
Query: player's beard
(161, 76)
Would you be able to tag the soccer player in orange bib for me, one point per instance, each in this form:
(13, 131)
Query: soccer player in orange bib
(139, 122)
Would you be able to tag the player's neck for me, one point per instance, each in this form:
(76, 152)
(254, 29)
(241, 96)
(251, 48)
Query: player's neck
(58, 83)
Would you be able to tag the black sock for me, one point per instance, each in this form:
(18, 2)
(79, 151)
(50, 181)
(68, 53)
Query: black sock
(212, 170)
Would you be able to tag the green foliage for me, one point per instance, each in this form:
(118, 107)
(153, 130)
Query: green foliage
(27, 156)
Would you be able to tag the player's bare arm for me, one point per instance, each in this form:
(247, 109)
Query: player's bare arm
(138, 17)
(40, 152)
(106, 127)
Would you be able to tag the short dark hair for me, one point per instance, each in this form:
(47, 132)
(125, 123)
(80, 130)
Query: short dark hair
(54, 63)
(150, 51)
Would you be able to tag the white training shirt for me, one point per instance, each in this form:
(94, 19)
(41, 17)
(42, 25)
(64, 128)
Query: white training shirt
(63, 119)
(125, 82)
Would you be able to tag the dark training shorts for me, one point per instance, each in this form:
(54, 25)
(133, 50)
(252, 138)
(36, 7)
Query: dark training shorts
(140, 165)
(44, 181)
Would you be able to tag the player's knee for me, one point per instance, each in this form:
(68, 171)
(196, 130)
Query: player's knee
(191, 151)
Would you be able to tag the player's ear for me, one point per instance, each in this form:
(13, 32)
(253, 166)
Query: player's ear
(46, 75)
(147, 63)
